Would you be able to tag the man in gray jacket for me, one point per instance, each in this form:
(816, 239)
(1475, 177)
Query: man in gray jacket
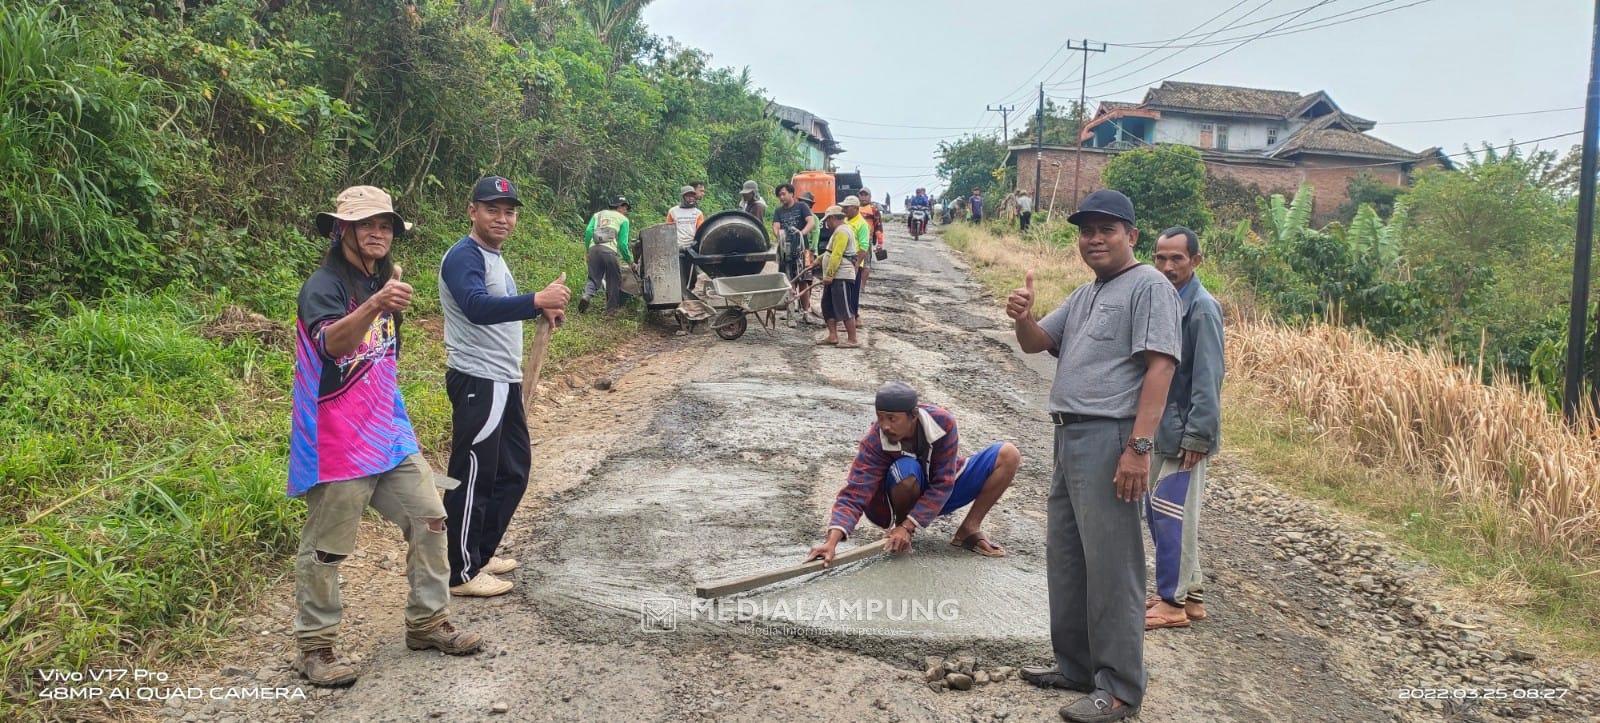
(1189, 433)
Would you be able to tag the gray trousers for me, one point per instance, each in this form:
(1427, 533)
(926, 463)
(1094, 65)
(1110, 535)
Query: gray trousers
(1094, 556)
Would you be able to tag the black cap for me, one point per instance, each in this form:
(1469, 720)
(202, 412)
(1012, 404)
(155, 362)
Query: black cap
(620, 201)
(495, 188)
(1106, 201)
(896, 397)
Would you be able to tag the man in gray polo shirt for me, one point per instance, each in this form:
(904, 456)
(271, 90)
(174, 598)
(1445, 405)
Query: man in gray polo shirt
(1117, 341)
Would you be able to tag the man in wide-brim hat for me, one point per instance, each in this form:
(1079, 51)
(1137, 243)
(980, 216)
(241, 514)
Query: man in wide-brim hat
(351, 441)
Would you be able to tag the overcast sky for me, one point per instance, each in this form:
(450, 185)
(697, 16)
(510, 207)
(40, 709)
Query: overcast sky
(939, 62)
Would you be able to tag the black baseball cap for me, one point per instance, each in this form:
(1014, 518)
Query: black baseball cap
(620, 201)
(1106, 201)
(495, 188)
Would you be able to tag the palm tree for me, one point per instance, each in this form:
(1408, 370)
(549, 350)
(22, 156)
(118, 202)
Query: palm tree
(607, 17)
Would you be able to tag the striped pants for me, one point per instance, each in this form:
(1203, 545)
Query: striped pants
(489, 453)
(1173, 510)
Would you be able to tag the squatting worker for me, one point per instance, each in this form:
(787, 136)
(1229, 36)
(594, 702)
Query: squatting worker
(838, 276)
(686, 218)
(862, 231)
(607, 239)
(1117, 341)
(351, 442)
(792, 224)
(908, 472)
(489, 453)
(1189, 434)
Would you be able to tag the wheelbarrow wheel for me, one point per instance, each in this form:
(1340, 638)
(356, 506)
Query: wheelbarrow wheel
(730, 325)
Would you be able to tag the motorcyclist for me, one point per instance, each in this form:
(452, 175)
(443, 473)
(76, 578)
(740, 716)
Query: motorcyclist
(919, 201)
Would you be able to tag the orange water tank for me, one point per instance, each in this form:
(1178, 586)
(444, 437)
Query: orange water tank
(820, 184)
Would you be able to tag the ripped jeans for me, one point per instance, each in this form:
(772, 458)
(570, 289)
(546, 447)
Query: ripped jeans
(404, 496)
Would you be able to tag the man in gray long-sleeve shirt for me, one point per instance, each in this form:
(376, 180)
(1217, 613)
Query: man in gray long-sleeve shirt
(1190, 433)
(489, 453)
(1116, 341)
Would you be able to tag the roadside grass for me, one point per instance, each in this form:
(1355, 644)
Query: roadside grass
(145, 457)
(1478, 479)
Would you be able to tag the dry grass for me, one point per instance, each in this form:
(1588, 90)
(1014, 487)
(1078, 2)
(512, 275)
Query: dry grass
(1001, 262)
(1481, 479)
(1494, 446)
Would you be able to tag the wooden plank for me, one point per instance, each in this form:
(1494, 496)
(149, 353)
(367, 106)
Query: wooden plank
(534, 361)
(751, 582)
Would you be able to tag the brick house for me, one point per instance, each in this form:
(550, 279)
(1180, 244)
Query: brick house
(1275, 139)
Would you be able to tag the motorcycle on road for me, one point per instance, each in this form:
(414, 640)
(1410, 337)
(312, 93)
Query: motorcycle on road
(917, 221)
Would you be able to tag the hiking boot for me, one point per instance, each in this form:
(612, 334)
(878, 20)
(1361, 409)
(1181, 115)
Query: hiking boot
(483, 585)
(499, 565)
(1051, 677)
(1099, 707)
(445, 638)
(325, 669)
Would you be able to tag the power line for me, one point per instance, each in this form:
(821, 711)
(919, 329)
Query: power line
(1177, 51)
(897, 125)
(1206, 22)
(1224, 52)
(1481, 117)
(1318, 23)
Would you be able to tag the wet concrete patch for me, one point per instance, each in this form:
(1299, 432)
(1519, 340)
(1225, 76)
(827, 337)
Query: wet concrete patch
(937, 592)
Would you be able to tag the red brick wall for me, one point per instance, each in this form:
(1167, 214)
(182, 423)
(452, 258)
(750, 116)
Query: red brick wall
(1327, 175)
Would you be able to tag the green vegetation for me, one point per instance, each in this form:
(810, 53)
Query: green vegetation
(1169, 182)
(160, 163)
(1477, 259)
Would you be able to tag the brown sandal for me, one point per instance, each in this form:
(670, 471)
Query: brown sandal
(976, 542)
(1153, 621)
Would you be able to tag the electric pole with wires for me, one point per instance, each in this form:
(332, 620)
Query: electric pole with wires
(1005, 119)
(1083, 111)
(1577, 322)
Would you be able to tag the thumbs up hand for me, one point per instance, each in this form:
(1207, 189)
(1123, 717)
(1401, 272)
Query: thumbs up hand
(1020, 303)
(552, 300)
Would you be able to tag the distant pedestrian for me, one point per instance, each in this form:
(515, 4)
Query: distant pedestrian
(489, 452)
(838, 276)
(1117, 341)
(750, 201)
(1024, 210)
(608, 252)
(1190, 432)
(351, 443)
(975, 206)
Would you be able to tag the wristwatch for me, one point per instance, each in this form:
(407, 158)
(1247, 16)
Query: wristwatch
(1141, 445)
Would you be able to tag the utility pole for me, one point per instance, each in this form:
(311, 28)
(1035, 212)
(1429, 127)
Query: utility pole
(1083, 110)
(1005, 117)
(1038, 142)
(1577, 321)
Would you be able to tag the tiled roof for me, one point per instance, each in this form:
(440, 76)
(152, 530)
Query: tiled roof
(1337, 141)
(1223, 98)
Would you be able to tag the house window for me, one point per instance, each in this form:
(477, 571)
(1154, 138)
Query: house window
(1272, 136)
(1222, 138)
(1207, 134)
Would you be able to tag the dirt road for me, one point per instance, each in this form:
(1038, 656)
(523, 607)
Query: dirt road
(708, 458)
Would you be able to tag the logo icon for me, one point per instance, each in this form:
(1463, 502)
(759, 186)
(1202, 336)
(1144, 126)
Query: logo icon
(658, 615)
(502, 185)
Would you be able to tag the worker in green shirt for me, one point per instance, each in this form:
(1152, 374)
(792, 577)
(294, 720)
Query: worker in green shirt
(606, 237)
